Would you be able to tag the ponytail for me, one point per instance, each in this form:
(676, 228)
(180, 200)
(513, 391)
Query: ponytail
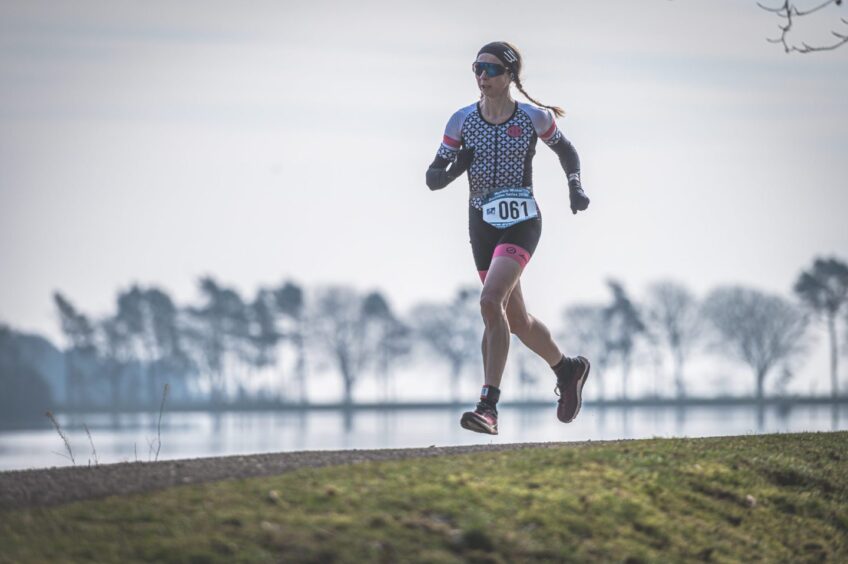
(558, 112)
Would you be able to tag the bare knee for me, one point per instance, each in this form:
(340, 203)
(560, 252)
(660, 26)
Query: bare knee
(491, 308)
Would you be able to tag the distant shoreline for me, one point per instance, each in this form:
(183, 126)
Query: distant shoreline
(39, 421)
(255, 406)
(401, 405)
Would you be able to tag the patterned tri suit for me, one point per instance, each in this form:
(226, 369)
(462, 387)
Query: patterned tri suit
(503, 217)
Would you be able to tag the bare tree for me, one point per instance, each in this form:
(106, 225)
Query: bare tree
(824, 290)
(452, 332)
(218, 331)
(588, 333)
(289, 302)
(388, 339)
(119, 352)
(130, 337)
(789, 11)
(336, 329)
(170, 358)
(263, 335)
(671, 312)
(144, 334)
(625, 326)
(81, 352)
(759, 329)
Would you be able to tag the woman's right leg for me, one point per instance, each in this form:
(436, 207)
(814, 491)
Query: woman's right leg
(501, 278)
(499, 281)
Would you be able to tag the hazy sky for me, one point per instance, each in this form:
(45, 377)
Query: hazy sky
(156, 142)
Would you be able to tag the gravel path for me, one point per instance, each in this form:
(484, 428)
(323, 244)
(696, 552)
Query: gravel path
(32, 488)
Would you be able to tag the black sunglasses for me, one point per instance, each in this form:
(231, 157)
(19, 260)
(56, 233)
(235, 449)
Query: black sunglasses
(491, 69)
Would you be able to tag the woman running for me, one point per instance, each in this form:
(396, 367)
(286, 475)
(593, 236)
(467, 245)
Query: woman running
(494, 139)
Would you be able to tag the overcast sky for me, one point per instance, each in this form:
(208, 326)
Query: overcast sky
(155, 142)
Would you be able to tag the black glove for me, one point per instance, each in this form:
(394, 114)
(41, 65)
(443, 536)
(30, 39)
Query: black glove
(462, 162)
(579, 199)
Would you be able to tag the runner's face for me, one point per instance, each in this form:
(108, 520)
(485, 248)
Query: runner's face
(494, 86)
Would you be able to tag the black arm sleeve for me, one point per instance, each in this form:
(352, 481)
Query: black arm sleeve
(437, 175)
(567, 154)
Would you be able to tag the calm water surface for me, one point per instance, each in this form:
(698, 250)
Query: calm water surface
(191, 435)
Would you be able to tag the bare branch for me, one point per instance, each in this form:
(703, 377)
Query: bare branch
(90, 440)
(52, 419)
(787, 11)
(775, 10)
(816, 9)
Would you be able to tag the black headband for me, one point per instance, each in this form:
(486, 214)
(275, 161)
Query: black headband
(503, 52)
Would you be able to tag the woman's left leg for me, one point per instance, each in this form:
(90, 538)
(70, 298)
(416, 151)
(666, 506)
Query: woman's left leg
(532, 332)
(571, 373)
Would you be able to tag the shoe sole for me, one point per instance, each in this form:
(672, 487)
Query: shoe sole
(471, 423)
(580, 383)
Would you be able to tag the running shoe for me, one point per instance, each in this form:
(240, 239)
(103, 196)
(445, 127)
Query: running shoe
(569, 388)
(484, 419)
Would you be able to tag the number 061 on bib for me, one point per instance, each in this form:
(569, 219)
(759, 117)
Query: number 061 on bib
(509, 206)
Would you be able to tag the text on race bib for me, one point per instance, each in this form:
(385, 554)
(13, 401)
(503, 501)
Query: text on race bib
(509, 206)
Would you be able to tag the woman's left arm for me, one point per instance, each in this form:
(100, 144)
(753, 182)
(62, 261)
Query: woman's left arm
(570, 163)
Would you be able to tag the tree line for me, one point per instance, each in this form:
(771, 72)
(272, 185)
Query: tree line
(210, 350)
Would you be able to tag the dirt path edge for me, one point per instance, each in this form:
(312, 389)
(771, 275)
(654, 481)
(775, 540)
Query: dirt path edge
(21, 489)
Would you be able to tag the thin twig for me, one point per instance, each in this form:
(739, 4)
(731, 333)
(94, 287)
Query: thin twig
(159, 428)
(93, 450)
(787, 11)
(61, 434)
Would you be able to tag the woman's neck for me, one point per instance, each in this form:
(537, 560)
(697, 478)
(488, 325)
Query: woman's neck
(497, 109)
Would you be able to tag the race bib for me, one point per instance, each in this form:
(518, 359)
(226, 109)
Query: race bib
(509, 206)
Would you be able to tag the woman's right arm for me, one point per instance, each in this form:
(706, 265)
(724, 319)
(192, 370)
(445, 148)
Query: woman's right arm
(450, 151)
(438, 175)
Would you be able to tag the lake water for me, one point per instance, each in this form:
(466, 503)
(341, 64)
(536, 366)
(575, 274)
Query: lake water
(193, 434)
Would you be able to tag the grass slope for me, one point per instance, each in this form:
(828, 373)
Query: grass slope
(771, 498)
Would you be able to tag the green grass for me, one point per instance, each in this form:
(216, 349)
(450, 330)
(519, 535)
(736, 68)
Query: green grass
(768, 498)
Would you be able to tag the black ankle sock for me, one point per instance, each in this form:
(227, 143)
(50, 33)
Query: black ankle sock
(563, 362)
(563, 368)
(490, 395)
